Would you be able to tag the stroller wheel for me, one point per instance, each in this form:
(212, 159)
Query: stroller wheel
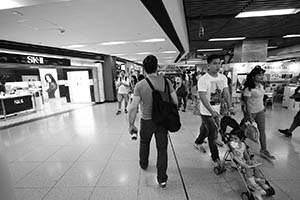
(247, 196)
(217, 170)
(223, 169)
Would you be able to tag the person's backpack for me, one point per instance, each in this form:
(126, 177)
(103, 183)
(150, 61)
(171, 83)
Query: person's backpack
(164, 111)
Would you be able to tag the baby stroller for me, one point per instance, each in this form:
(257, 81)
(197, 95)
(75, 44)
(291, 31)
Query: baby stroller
(242, 159)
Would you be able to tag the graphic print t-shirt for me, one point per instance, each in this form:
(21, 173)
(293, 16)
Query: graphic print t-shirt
(213, 86)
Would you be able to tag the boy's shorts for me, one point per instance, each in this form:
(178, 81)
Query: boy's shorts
(123, 96)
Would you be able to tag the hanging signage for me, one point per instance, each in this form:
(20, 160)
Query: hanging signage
(33, 60)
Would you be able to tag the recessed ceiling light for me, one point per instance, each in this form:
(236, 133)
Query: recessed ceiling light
(153, 40)
(113, 43)
(143, 53)
(272, 47)
(7, 4)
(226, 39)
(119, 54)
(264, 13)
(200, 50)
(169, 52)
(74, 46)
(15, 12)
(291, 36)
(133, 41)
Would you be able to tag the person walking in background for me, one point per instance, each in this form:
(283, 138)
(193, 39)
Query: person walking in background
(194, 92)
(254, 109)
(51, 86)
(123, 87)
(181, 93)
(143, 94)
(133, 82)
(212, 87)
(296, 121)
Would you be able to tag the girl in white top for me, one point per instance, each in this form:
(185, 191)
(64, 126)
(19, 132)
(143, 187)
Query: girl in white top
(254, 109)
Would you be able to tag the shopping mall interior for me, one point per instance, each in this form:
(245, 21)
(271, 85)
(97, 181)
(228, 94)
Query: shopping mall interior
(61, 136)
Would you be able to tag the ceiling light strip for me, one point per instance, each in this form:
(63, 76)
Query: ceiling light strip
(200, 50)
(291, 36)
(152, 40)
(226, 39)
(264, 13)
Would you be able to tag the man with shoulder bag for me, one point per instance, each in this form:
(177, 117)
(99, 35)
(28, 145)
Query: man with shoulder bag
(143, 94)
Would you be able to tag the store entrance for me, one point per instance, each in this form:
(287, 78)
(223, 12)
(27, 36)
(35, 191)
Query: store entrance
(79, 86)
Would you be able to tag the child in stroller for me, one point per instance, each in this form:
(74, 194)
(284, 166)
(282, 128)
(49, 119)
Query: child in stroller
(243, 160)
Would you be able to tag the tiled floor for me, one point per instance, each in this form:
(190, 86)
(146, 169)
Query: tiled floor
(88, 154)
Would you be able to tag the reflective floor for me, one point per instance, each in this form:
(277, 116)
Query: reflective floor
(88, 154)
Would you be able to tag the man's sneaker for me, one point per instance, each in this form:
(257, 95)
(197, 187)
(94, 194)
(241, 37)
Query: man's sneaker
(266, 154)
(183, 110)
(285, 132)
(219, 143)
(162, 185)
(134, 136)
(200, 147)
(118, 112)
(125, 111)
(143, 166)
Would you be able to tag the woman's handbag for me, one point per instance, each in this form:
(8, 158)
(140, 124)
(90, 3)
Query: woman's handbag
(251, 131)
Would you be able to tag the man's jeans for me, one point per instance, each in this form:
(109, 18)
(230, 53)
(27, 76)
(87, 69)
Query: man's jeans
(147, 129)
(208, 129)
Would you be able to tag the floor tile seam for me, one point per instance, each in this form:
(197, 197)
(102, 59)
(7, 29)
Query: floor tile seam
(57, 181)
(76, 160)
(27, 152)
(186, 193)
(234, 191)
(42, 162)
(106, 164)
(139, 183)
(282, 190)
(59, 147)
(18, 188)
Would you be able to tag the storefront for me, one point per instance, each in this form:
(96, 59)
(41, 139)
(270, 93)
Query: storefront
(32, 83)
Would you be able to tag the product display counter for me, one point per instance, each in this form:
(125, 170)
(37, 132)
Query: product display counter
(15, 104)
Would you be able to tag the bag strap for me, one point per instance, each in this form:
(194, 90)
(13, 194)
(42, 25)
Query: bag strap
(167, 89)
(150, 84)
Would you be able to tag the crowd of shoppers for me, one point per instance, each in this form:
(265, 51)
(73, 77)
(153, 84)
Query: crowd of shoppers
(213, 88)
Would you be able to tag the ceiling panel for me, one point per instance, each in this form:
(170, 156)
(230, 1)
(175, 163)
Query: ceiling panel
(218, 19)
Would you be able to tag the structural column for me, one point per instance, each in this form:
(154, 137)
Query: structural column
(109, 71)
(251, 51)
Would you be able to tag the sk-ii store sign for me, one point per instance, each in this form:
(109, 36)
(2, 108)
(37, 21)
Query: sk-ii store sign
(33, 60)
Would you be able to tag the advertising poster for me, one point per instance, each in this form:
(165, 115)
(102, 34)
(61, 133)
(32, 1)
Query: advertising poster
(49, 83)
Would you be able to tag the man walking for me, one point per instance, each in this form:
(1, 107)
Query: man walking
(212, 87)
(143, 94)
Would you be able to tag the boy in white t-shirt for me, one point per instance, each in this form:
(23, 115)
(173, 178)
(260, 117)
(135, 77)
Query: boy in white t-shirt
(211, 88)
(123, 87)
